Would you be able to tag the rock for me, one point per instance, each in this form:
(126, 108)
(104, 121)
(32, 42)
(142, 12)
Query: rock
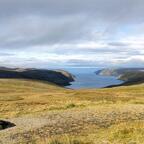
(5, 124)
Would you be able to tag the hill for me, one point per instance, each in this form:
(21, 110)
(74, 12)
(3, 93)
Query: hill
(130, 76)
(133, 77)
(117, 71)
(59, 77)
(47, 114)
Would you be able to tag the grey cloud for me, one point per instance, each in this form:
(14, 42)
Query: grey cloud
(82, 63)
(3, 54)
(104, 8)
(88, 63)
(132, 63)
(34, 23)
(38, 22)
(114, 49)
(119, 44)
(22, 32)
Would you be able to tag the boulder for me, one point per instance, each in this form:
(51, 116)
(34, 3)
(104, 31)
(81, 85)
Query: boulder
(5, 124)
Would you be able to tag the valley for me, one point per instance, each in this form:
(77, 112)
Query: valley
(49, 114)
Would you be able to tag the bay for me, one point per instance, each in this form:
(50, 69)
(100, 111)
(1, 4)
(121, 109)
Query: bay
(86, 78)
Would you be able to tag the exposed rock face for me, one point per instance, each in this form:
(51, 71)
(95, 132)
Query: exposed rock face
(5, 124)
(58, 77)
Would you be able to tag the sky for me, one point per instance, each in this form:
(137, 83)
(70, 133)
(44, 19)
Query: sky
(71, 33)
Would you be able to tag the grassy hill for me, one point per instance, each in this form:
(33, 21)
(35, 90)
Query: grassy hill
(130, 76)
(133, 77)
(59, 77)
(117, 71)
(47, 114)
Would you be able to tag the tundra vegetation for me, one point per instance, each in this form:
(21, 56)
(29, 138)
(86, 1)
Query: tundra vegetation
(44, 113)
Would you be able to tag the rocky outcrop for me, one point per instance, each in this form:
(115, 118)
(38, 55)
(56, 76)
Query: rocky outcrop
(59, 77)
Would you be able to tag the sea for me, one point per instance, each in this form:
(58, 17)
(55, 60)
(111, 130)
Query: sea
(86, 78)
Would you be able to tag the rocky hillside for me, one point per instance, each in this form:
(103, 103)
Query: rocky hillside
(59, 77)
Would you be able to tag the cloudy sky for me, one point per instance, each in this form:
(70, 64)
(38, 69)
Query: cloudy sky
(71, 33)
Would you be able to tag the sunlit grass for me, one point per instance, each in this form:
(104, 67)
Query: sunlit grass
(93, 116)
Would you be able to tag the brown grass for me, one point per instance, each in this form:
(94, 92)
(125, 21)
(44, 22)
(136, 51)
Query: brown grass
(42, 110)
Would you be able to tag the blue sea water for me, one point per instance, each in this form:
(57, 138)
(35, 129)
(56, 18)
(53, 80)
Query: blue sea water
(86, 78)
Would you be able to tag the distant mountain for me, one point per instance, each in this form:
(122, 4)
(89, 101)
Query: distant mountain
(59, 77)
(130, 76)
